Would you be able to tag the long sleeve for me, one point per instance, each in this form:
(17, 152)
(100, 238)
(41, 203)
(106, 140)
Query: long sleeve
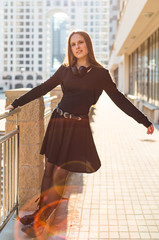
(121, 101)
(40, 90)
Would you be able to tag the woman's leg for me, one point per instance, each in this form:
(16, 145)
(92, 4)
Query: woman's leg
(47, 177)
(51, 200)
(56, 191)
(46, 184)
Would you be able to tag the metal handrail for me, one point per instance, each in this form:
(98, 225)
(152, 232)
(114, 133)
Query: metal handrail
(50, 99)
(8, 135)
(8, 113)
(48, 110)
(9, 170)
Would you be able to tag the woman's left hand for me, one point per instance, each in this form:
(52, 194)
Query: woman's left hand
(150, 129)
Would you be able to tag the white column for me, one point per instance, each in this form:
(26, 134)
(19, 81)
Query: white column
(126, 73)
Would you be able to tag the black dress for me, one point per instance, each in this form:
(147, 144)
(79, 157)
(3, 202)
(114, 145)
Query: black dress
(68, 142)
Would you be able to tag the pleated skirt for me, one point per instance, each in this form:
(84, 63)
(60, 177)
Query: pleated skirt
(69, 143)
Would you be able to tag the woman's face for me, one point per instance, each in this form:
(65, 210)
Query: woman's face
(78, 46)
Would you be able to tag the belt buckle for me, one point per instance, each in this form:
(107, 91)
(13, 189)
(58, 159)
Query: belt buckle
(66, 115)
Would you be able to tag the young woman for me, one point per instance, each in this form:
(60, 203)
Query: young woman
(68, 143)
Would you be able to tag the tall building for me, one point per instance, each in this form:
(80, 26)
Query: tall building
(26, 36)
(113, 21)
(134, 53)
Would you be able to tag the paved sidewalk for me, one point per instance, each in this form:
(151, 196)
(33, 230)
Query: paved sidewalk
(119, 201)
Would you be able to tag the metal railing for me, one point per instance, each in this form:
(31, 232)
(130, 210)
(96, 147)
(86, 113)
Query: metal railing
(49, 108)
(9, 160)
(9, 163)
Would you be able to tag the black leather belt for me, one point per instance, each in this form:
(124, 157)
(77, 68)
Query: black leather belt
(69, 115)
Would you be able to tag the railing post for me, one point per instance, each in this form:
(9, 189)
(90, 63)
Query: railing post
(31, 132)
(56, 92)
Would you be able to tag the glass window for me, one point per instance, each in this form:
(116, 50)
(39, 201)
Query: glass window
(157, 69)
(48, 3)
(65, 3)
(143, 70)
(57, 3)
(19, 17)
(19, 10)
(39, 3)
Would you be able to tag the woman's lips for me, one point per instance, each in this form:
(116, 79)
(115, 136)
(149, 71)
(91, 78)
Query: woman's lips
(78, 52)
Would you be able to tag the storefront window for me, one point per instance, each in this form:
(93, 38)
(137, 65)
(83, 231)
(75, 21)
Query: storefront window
(144, 70)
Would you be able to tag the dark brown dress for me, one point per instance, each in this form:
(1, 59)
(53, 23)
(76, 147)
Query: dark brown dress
(68, 142)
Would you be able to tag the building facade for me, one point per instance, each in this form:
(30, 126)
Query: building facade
(27, 38)
(134, 54)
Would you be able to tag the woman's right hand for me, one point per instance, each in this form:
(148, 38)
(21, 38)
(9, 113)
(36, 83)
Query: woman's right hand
(150, 129)
(9, 107)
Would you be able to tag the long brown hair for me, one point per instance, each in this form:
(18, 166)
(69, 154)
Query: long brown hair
(70, 59)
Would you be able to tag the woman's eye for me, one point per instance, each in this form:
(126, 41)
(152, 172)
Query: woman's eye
(73, 44)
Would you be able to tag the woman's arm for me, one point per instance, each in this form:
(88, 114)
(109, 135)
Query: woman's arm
(123, 103)
(40, 90)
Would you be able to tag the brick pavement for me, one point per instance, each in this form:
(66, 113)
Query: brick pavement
(119, 201)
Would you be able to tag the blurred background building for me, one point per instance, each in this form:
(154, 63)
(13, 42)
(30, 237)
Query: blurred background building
(34, 34)
(134, 49)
